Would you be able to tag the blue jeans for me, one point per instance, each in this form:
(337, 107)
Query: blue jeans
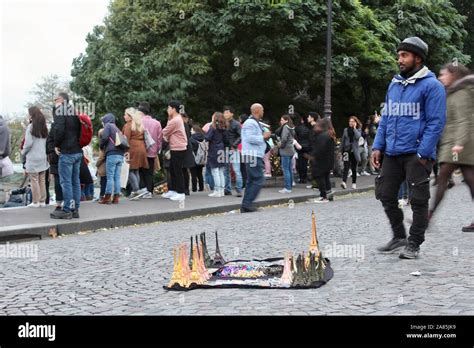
(208, 178)
(235, 163)
(69, 167)
(287, 172)
(88, 191)
(403, 191)
(113, 168)
(255, 180)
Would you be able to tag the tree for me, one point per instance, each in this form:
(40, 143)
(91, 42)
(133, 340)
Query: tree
(44, 92)
(212, 53)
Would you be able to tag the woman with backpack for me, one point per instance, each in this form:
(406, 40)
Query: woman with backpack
(286, 150)
(217, 138)
(350, 150)
(113, 159)
(136, 154)
(34, 150)
(197, 142)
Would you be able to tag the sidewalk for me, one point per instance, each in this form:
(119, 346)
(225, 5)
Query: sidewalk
(16, 223)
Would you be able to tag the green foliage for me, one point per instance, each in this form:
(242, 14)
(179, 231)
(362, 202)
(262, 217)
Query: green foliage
(212, 53)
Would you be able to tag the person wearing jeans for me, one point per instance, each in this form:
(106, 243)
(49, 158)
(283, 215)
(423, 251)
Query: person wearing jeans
(234, 138)
(286, 133)
(67, 133)
(217, 138)
(113, 160)
(253, 151)
(350, 150)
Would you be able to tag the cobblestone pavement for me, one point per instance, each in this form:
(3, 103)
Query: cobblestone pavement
(122, 271)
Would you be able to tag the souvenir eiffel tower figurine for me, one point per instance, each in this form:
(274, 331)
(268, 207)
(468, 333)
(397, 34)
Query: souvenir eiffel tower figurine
(205, 253)
(313, 246)
(313, 275)
(202, 267)
(176, 276)
(191, 253)
(298, 279)
(195, 278)
(185, 271)
(287, 276)
(218, 259)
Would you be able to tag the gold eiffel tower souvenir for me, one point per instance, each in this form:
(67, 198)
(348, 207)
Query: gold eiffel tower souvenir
(313, 246)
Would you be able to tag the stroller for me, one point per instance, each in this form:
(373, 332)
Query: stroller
(20, 197)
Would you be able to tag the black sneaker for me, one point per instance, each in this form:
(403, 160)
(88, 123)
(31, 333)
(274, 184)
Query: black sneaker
(239, 194)
(61, 214)
(228, 193)
(248, 210)
(75, 214)
(392, 246)
(469, 228)
(410, 252)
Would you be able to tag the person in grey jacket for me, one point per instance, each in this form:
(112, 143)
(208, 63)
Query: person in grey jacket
(5, 145)
(34, 151)
(286, 150)
(350, 150)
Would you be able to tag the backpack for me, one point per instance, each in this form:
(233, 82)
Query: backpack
(201, 155)
(86, 130)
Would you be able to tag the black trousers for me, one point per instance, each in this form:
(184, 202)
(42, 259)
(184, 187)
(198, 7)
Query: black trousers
(186, 180)
(58, 191)
(176, 169)
(324, 185)
(196, 177)
(103, 185)
(396, 169)
(147, 174)
(352, 163)
(302, 165)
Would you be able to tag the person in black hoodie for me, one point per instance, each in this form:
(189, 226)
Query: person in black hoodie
(197, 136)
(302, 133)
(322, 157)
(66, 136)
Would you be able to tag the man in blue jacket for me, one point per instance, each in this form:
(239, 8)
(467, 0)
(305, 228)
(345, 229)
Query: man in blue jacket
(413, 119)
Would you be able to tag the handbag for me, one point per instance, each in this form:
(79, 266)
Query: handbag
(124, 174)
(167, 154)
(121, 141)
(149, 141)
(6, 167)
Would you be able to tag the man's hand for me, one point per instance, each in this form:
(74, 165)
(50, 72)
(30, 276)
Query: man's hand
(375, 159)
(457, 149)
(56, 149)
(423, 161)
(267, 135)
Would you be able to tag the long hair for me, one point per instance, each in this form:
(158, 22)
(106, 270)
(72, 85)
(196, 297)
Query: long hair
(218, 120)
(331, 130)
(457, 70)
(197, 128)
(137, 125)
(290, 121)
(356, 120)
(38, 123)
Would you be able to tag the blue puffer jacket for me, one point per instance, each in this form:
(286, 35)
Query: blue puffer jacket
(413, 116)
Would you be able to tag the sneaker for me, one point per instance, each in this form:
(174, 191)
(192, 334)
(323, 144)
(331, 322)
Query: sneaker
(147, 195)
(410, 252)
(142, 191)
(365, 173)
(139, 194)
(343, 185)
(392, 246)
(178, 197)
(42, 205)
(294, 184)
(469, 228)
(284, 191)
(267, 175)
(402, 202)
(239, 193)
(133, 195)
(169, 194)
(61, 214)
(75, 214)
(358, 174)
(33, 205)
(214, 194)
(354, 186)
(309, 186)
(227, 193)
(321, 200)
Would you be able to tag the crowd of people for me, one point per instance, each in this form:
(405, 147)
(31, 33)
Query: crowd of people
(228, 153)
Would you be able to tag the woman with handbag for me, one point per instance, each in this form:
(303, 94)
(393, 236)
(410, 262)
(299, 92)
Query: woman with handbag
(113, 159)
(136, 155)
(350, 150)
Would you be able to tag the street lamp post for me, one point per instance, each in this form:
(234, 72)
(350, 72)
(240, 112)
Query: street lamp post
(327, 81)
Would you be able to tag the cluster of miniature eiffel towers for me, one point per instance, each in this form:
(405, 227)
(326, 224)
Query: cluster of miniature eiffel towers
(192, 269)
(304, 269)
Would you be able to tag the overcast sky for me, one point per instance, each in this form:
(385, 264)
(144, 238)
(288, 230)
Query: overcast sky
(39, 38)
